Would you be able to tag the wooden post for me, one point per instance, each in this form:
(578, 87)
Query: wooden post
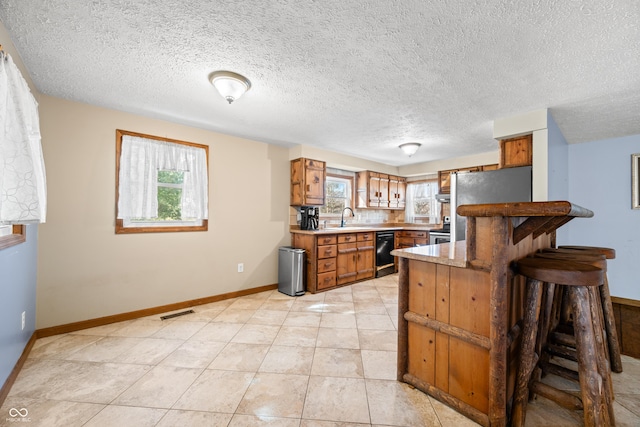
(498, 323)
(403, 325)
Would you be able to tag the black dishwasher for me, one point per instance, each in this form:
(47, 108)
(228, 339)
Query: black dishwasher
(384, 260)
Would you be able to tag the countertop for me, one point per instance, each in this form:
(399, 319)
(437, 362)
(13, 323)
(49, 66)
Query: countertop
(541, 217)
(359, 229)
(453, 254)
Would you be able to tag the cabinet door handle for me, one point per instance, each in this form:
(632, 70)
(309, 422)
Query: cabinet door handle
(308, 187)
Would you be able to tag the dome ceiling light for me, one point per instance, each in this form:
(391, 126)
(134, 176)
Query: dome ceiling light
(410, 148)
(229, 84)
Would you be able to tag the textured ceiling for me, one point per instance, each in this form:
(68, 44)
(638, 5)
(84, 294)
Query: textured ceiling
(353, 77)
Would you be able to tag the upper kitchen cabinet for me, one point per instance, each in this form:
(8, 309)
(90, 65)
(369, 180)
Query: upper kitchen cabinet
(397, 192)
(379, 191)
(307, 182)
(444, 177)
(490, 167)
(515, 152)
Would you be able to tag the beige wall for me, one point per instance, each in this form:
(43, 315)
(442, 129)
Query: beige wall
(85, 271)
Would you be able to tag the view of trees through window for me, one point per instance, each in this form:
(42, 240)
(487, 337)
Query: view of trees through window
(337, 195)
(169, 195)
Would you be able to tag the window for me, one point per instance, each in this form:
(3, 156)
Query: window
(338, 191)
(161, 184)
(421, 202)
(12, 235)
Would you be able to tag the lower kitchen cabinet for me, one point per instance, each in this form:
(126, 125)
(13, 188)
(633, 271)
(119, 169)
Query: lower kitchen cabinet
(366, 259)
(336, 259)
(409, 239)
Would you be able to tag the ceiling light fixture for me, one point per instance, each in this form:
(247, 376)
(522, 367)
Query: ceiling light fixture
(410, 148)
(230, 85)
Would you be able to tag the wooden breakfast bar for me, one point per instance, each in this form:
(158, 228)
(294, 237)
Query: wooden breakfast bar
(460, 307)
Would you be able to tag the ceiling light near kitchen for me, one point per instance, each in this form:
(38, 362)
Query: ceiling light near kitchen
(230, 85)
(410, 148)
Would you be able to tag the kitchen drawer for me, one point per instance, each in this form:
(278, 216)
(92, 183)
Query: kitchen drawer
(327, 251)
(326, 280)
(420, 242)
(327, 240)
(366, 237)
(414, 234)
(326, 264)
(347, 238)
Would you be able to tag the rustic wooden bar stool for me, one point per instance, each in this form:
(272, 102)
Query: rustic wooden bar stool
(555, 339)
(578, 277)
(609, 323)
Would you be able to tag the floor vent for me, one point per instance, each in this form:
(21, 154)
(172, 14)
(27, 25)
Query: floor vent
(171, 316)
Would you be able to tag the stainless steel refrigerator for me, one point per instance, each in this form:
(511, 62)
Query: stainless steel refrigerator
(497, 186)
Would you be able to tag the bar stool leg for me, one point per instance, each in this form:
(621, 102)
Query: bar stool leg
(590, 381)
(601, 356)
(610, 328)
(528, 358)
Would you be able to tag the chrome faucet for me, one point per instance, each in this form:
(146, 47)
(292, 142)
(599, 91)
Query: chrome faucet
(342, 221)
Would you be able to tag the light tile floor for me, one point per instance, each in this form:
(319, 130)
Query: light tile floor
(267, 359)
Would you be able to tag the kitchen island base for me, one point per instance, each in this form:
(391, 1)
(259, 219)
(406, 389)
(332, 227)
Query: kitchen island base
(461, 307)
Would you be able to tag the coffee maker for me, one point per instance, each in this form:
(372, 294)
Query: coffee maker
(309, 217)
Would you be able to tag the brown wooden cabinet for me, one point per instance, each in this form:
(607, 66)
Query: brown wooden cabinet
(307, 182)
(365, 260)
(336, 259)
(492, 167)
(380, 191)
(410, 239)
(444, 177)
(397, 192)
(516, 152)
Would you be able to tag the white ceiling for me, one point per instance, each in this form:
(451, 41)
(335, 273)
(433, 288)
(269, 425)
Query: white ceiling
(357, 77)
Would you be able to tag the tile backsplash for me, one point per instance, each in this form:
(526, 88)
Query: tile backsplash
(362, 217)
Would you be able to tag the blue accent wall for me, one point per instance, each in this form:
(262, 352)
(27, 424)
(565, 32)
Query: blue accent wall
(600, 180)
(17, 294)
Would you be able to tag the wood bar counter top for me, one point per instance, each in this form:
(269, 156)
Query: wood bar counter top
(460, 307)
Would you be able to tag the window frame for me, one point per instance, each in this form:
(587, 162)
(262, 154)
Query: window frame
(438, 204)
(18, 235)
(351, 181)
(123, 227)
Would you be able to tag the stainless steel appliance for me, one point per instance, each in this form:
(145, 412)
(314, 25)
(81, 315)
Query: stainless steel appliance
(441, 235)
(385, 241)
(497, 186)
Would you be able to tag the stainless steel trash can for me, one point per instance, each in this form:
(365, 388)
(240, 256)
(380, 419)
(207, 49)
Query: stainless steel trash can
(291, 271)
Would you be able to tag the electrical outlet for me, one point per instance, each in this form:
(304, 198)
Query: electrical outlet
(24, 319)
(240, 268)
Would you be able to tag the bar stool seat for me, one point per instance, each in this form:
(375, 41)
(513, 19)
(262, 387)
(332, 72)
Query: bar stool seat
(609, 253)
(596, 395)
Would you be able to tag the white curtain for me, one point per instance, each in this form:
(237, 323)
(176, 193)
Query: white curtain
(422, 191)
(140, 161)
(409, 207)
(23, 187)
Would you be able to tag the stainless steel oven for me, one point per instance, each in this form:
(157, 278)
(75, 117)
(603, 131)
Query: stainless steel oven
(436, 237)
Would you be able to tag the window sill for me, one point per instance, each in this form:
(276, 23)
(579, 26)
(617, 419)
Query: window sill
(19, 236)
